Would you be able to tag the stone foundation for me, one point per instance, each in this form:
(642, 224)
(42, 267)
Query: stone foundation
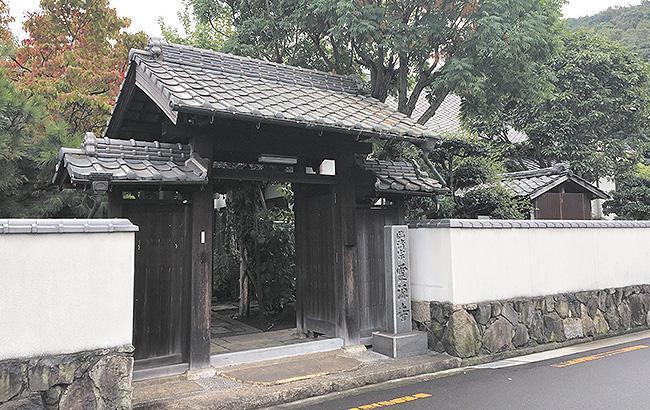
(99, 379)
(494, 327)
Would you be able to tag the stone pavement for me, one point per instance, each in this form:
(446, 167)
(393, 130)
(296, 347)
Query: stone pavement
(233, 335)
(280, 381)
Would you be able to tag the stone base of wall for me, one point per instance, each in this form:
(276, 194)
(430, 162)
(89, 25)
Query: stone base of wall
(99, 379)
(494, 327)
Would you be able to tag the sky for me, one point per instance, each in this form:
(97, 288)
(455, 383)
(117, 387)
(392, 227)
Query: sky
(144, 14)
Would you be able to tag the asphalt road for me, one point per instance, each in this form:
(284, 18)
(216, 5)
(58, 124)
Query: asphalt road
(615, 377)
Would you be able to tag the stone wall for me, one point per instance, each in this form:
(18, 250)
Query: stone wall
(99, 379)
(493, 327)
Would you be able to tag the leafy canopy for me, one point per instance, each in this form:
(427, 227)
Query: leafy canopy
(628, 25)
(631, 199)
(74, 58)
(408, 48)
(54, 85)
(598, 113)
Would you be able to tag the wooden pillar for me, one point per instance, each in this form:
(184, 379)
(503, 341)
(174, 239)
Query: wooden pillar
(348, 288)
(115, 202)
(300, 216)
(201, 264)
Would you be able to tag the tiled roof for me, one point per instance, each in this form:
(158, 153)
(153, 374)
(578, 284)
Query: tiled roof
(400, 177)
(534, 183)
(130, 161)
(524, 224)
(186, 79)
(18, 226)
(446, 120)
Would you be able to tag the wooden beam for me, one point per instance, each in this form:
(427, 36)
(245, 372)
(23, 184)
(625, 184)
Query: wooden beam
(201, 265)
(254, 175)
(115, 203)
(240, 137)
(122, 104)
(348, 295)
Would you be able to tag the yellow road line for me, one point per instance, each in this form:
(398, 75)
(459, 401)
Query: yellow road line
(397, 400)
(597, 356)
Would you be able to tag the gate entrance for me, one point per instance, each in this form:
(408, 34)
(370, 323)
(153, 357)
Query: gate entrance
(162, 281)
(187, 119)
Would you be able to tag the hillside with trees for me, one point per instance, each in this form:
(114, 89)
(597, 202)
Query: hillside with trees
(627, 25)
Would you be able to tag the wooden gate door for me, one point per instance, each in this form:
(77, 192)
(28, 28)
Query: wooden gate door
(371, 270)
(162, 282)
(316, 282)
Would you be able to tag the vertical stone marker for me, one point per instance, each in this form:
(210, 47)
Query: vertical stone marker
(399, 340)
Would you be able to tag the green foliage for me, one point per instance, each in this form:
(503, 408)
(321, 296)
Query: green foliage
(471, 169)
(54, 85)
(210, 33)
(494, 201)
(465, 161)
(258, 239)
(598, 113)
(480, 50)
(631, 199)
(27, 141)
(628, 25)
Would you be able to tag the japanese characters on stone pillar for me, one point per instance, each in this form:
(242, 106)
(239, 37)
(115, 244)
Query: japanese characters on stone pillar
(398, 286)
(399, 339)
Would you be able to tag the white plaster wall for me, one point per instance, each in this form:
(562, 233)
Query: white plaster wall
(65, 293)
(475, 265)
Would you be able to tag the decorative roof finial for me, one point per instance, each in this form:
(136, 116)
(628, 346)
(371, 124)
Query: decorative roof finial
(155, 46)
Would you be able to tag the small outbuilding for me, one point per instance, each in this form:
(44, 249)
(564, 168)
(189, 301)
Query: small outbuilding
(555, 192)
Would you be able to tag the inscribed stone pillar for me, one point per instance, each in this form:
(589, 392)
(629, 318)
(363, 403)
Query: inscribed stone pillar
(399, 339)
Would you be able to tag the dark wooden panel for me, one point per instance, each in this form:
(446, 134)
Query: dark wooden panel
(201, 288)
(371, 276)
(161, 293)
(548, 206)
(316, 260)
(573, 206)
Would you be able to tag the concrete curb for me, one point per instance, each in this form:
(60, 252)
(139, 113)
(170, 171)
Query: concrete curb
(250, 396)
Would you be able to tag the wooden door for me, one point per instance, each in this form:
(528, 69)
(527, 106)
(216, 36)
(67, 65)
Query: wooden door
(566, 206)
(371, 270)
(573, 206)
(548, 206)
(317, 260)
(162, 282)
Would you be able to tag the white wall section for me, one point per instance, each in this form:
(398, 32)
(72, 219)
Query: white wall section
(68, 291)
(475, 261)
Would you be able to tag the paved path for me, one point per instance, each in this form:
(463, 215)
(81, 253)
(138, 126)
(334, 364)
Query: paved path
(612, 377)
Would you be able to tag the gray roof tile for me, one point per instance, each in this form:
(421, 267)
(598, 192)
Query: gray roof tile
(41, 226)
(130, 161)
(447, 118)
(525, 224)
(225, 85)
(400, 177)
(532, 183)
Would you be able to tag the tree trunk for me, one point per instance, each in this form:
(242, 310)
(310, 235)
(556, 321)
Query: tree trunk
(244, 299)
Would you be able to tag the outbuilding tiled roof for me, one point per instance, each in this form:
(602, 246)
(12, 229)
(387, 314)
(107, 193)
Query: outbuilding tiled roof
(130, 161)
(534, 183)
(400, 177)
(186, 79)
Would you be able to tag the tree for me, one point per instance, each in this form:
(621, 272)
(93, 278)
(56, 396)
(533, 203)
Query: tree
(60, 82)
(598, 113)
(631, 199)
(471, 168)
(478, 49)
(5, 19)
(27, 143)
(74, 58)
(628, 25)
